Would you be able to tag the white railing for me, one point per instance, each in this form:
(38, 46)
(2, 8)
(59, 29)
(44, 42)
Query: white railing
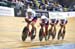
(6, 11)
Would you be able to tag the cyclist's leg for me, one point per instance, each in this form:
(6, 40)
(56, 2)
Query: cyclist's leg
(56, 22)
(33, 24)
(34, 21)
(42, 24)
(64, 29)
(46, 27)
(28, 23)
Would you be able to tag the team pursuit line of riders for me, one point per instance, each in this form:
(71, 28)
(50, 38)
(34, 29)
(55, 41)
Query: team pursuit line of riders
(31, 19)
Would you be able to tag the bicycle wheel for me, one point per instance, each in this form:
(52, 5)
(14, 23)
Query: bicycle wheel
(53, 34)
(49, 33)
(24, 33)
(59, 34)
(63, 35)
(40, 34)
(33, 33)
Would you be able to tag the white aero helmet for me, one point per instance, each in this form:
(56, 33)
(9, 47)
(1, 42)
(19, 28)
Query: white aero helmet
(32, 11)
(43, 17)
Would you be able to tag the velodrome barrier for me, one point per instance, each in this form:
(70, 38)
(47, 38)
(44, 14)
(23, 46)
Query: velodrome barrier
(61, 15)
(49, 14)
(6, 11)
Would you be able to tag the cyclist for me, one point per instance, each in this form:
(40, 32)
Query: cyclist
(53, 22)
(30, 18)
(44, 23)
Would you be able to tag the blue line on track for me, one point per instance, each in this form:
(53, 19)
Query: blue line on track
(59, 46)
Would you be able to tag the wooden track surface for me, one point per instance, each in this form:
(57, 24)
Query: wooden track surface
(11, 31)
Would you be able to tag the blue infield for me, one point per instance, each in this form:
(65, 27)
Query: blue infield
(58, 46)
